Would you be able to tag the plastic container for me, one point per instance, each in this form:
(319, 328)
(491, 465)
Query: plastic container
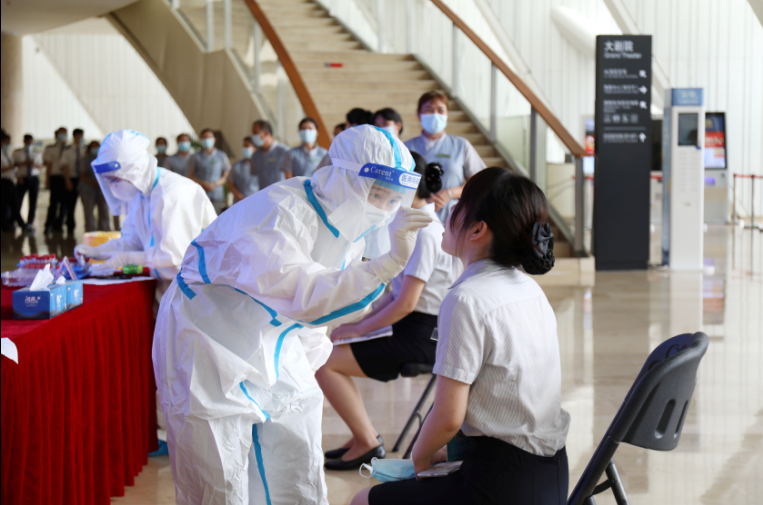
(96, 238)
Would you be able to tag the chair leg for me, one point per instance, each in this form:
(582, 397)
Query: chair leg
(617, 485)
(415, 414)
(409, 450)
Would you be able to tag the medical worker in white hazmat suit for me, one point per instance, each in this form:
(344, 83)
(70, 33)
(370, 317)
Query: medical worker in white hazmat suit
(242, 330)
(165, 211)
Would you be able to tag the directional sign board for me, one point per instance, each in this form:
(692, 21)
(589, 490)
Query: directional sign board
(623, 151)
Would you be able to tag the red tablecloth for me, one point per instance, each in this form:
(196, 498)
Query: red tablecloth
(78, 411)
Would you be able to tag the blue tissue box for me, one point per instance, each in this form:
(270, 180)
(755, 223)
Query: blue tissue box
(39, 304)
(73, 294)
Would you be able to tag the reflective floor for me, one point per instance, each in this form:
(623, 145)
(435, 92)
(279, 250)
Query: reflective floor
(605, 333)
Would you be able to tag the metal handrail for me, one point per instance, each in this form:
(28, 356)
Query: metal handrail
(551, 120)
(303, 94)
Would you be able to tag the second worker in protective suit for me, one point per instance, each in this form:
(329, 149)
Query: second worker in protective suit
(164, 210)
(242, 329)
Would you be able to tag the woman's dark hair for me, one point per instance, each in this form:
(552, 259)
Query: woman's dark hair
(431, 176)
(389, 114)
(359, 116)
(308, 119)
(516, 211)
(432, 95)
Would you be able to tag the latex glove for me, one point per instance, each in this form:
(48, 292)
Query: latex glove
(100, 252)
(91, 252)
(402, 236)
(121, 258)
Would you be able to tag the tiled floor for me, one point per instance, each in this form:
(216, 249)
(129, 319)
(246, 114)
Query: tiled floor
(605, 333)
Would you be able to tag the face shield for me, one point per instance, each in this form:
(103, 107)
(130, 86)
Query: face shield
(370, 178)
(124, 168)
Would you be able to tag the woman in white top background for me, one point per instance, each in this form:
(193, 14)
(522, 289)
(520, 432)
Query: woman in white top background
(497, 359)
(411, 309)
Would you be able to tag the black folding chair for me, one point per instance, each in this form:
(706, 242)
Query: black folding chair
(651, 416)
(414, 370)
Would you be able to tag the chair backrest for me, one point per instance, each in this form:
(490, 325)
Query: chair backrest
(654, 410)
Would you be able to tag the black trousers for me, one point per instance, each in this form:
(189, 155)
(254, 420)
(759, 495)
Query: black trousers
(493, 472)
(32, 185)
(10, 207)
(57, 209)
(71, 202)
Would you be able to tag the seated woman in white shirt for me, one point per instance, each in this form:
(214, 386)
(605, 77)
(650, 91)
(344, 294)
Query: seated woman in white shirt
(498, 366)
(411, 309)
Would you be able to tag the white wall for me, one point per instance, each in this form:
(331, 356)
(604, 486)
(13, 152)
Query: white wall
(101, 71)
(48, 101)
(717, 46)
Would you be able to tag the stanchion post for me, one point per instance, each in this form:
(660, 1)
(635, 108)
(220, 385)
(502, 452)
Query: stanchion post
(752, 202)
(734, 200)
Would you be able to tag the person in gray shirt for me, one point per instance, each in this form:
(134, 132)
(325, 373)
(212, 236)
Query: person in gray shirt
(161, 152)
(303, 160)
(241, 182)
(178, 162)
(267, 160)
(209, 168)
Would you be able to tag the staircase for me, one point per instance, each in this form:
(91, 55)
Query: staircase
(366, 79)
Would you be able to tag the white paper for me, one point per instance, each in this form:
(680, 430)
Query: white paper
(42, 280)
(9, 350)
(61, 281)
(381, 332)
(107, 282)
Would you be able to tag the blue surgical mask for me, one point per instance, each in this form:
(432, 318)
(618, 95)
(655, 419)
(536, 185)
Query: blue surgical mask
(61, 137)
(247, 152)
(390, 470)
(257, 140)
(161, 148)
(82, 142)
(392, 130)
(208, 143)
(184, 146)
(434, 123)
(94, 151)
(308, 135)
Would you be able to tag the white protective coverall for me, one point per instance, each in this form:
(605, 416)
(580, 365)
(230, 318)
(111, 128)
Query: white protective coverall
(242, 330)
(165, 211)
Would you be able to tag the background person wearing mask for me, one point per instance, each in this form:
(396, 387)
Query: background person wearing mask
(242, 330)
(209, 168)
(91, 194)
(28, 166)
(164, 211)
(268, 158)
(161, 152)
(241, 182)
(10, 208)
(388, 119)
(458, 157)
(302, 161)
(54, 180)
(71, 166)
(178, 162)
(411, 309)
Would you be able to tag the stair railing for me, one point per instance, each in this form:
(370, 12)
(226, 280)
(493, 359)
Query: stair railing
(279, 91)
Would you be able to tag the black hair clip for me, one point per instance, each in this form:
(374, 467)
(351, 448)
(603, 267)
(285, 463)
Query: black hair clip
(433, 176)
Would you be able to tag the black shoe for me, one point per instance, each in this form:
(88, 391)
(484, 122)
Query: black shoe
(340, 464)
(338, 453)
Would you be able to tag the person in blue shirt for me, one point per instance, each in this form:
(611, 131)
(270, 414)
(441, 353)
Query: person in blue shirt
(302, 160)
(457, 155)
(241, 182)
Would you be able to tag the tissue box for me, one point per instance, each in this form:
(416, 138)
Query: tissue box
(73, 294)
(40, 304)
